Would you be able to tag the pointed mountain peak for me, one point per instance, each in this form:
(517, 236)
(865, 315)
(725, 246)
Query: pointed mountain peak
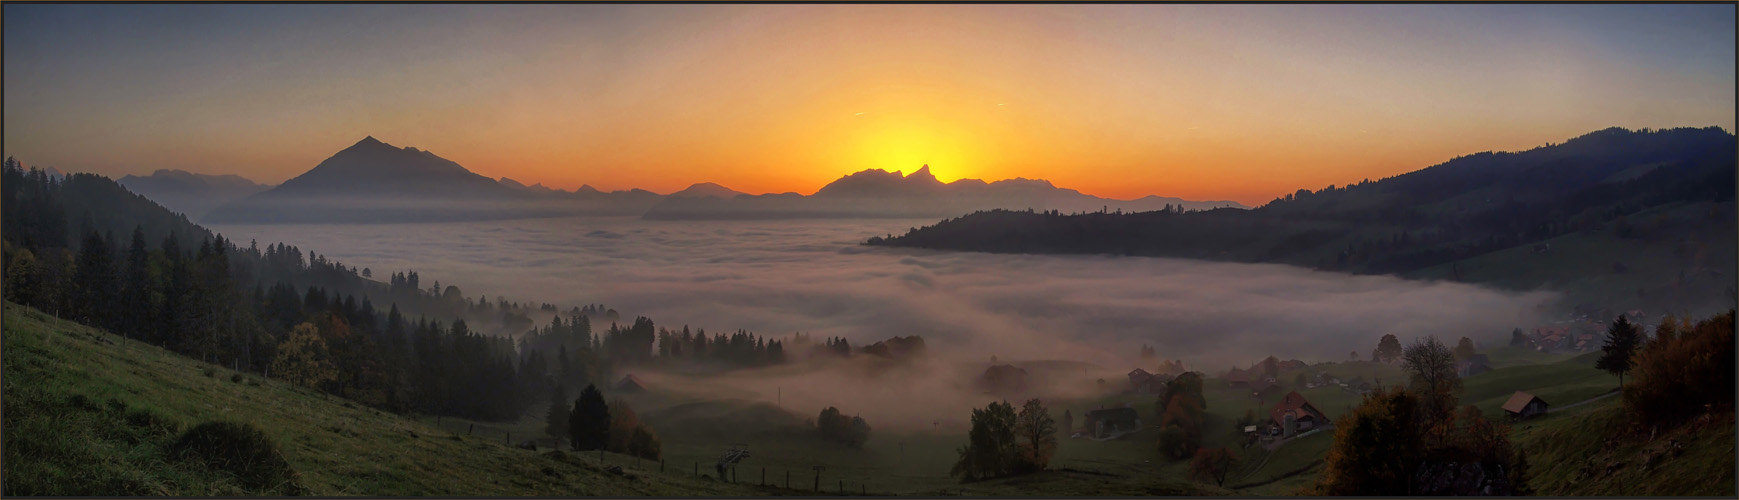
(922, 175)
(369, 140)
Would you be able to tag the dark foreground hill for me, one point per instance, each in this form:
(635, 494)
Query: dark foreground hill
(89, 413)
(1667, 186)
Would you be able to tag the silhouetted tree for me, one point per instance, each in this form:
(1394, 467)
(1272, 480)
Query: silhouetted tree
(1038, 435)
(1622, 339)
(589, 424)
(556, 420)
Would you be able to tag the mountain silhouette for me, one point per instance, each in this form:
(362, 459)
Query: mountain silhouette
(706, 190)
(189, 193)
(1635, 184)
(372, 181)
(879, 193)
(377, 169)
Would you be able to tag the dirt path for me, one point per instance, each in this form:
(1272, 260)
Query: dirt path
(1583, 402)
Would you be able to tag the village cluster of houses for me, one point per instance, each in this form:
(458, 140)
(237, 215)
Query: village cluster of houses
(1582, 333)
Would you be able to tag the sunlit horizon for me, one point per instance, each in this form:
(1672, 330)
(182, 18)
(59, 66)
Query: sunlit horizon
(1202, 102)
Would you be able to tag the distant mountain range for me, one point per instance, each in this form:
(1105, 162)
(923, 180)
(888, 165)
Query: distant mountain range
(189, 193)
(372, 181)
(880, 193)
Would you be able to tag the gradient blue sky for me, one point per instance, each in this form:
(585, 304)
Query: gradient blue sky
(1241, 102)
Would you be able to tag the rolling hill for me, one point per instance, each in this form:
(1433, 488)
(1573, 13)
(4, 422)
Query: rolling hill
(92, 413)
(1664, 189)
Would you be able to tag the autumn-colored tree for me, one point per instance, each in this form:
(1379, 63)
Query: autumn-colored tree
(645, 444)
(623, 421)
(1038, 435)
(1181, 427)
(1683, 370)
(1213, 464)
(1464, 349)
(1376, 447)
(303, 358)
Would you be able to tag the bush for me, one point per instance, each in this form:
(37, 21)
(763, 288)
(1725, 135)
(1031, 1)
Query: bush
(237, 378)
(209, 371)
(835, 426)
(1683, 369)
(240, 450)
(990, 449)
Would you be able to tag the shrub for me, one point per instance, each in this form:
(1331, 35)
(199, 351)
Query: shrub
(1684, 368)
(835, 426)
(241, 450)
(237, 378)
(1213, 464)
(209, 371)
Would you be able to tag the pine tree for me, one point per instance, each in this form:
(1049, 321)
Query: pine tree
(1622, 339)
(589, 424)
(556, 421)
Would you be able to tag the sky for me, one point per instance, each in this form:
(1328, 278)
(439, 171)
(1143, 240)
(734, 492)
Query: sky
(1208, 102)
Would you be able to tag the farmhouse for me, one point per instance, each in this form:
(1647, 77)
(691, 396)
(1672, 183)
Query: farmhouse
(1108, 422)
(1270, 390)
(1293, 415)
(629, 384)
(1238, 378)
(1523, 405)
(1142, 382)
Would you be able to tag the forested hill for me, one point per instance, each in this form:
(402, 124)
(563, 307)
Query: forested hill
(84, 248)
(1464, 207)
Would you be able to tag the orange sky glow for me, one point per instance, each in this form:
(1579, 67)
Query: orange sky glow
(1242, 103)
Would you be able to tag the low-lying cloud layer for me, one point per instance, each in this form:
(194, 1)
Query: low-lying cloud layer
(779, 277)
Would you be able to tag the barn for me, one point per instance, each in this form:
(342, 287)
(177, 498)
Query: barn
(1111, 421)
(629, 383)
(1523, 405)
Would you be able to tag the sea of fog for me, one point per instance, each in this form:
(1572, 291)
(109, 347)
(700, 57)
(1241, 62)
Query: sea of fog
(813, 276)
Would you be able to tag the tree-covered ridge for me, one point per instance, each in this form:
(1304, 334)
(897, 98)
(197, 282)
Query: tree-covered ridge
(1461, 208)
(285, 313)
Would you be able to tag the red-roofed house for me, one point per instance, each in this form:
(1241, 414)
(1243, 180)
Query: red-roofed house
(1295, 409)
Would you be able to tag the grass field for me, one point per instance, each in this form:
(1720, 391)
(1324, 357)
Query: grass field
(90, 413)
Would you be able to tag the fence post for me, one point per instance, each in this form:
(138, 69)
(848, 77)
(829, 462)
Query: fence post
(842, 486)
(787, 480)
(763, 475)
(697, 469)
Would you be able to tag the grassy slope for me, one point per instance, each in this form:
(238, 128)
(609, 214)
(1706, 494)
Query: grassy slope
(90, 413)
(1568, 455)
(1580, 264)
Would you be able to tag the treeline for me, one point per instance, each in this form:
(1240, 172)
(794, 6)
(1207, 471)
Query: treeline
(280, 311)
(1464, 207)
